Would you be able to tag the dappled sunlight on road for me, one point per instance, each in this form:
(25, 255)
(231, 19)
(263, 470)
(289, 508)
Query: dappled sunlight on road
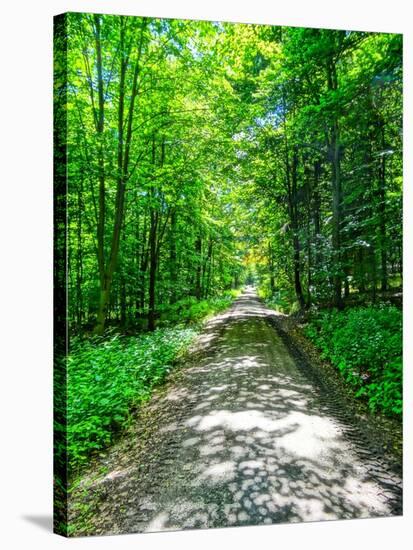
(250, 443)
(256, 448)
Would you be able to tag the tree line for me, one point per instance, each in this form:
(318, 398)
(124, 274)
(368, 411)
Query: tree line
(147, 227)
(324, 157)
(197, 151)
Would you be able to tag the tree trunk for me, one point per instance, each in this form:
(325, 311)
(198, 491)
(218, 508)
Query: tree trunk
(79, 258)
(103, 306)
(336, 203)
(122, 301)
(144, 259)
(382, 212)
(153, 239)
(210, 267)
(271, 269)
(362, 270)
(124, 145)
(172, 259)
(373, 273)
(104, 290)
(198, 251)
(309, 251)
(316, 211)
(347, 274)
(334, 149)
(152, 269)
(294, 224)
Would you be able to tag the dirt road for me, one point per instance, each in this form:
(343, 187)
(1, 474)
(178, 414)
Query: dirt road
(241, 437)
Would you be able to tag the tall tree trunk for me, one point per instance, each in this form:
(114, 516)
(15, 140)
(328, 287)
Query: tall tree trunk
(294, 224)
(382, 210)
(373, 272)
(144, 260)
(152, 268)
(334, 149)
(154, 239)
(309, 240)
(316, 211)
(271, 268)
(122, 300)
(336, 203)
(79, 257)
(347, 274)
(99, 122)
(204, 268)
(361, 270)
(124, 146)
(198, 271)
(172, 259)
(210, 267)
(134, 302)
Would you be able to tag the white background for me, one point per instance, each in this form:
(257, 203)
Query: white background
(26, 274)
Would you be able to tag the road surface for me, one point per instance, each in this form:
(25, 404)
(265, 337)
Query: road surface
(240, 438)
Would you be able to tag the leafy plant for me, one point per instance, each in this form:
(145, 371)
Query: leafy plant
(365, 344)
(107, 378)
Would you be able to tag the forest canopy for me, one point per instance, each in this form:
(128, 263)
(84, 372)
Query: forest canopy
(204, 155)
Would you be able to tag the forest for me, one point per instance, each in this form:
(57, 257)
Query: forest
(200, 157)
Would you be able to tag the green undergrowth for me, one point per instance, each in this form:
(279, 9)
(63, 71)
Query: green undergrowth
(365, 344)
(108, 377)
(192, 310)
(281, 300)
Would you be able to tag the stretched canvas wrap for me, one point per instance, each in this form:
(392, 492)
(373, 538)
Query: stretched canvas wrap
(228, 274)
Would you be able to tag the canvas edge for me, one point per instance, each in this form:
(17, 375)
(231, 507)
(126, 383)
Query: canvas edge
(60, 321)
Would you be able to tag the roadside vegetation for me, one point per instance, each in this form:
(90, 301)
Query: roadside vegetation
(109, 377)
(365, 344)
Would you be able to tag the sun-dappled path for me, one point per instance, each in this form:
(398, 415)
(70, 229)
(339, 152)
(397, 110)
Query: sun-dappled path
(243, 437)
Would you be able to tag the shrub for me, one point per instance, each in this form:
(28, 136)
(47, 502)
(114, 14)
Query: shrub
(191, 310)
(106, 378)
(283, 301)
(365, 344)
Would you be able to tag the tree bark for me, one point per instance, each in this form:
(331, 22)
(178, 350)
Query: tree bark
(294, 224)
(124, 145)
(152, 269)
(271, 268)
(334, 148)
(144, 260)
(316, 211)
(382, 211)
(198, 251)
(79, 257)
(172, 259)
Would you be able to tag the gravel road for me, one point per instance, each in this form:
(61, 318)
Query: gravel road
(241, 437)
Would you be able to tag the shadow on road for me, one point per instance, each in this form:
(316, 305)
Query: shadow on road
(247, 442)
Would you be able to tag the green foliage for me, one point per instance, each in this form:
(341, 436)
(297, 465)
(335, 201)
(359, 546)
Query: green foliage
(179, 232)
(321, 224)
(192, 310)
(365, 344)
(107, 378)
(204, 156)
(282, 300)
